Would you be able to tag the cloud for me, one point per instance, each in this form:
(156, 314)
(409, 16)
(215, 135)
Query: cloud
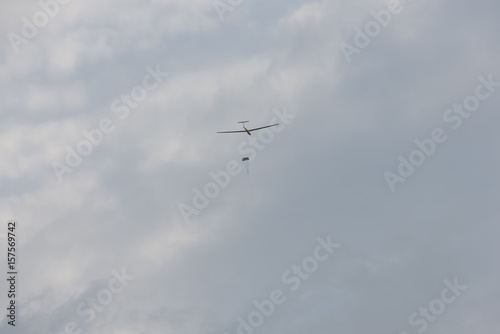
(322, 175)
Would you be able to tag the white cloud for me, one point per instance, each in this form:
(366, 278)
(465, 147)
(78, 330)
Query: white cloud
(312, 12)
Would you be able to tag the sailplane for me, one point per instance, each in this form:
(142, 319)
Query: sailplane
(248, 131)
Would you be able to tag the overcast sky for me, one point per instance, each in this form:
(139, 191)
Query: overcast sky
(373, 154)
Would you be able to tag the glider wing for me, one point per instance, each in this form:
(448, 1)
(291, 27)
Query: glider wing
(268, 126)
(231, 131)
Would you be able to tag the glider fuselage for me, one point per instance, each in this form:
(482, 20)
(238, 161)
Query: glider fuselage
(247, 130)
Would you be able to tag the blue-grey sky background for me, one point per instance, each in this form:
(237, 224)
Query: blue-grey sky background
(322, 175)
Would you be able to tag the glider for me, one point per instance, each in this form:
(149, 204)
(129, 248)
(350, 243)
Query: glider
(248, 130)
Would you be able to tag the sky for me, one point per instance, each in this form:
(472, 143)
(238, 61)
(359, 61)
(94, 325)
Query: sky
(369, 209)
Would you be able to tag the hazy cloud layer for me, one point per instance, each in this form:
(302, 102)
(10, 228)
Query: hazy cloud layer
(115, 214)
